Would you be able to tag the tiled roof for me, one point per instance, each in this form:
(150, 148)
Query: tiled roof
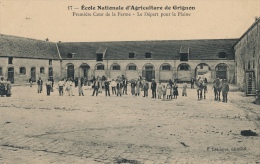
(14, 46)
(161, 50)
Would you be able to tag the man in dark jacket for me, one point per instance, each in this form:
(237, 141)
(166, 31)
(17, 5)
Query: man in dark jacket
(192, 83)
(225, 90)
(40, 82)
(107, 83)
(153, 87)
(95, 87)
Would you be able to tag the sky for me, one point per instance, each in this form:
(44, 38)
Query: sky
(52, 19)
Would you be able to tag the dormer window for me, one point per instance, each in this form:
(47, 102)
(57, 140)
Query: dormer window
(184, 57)
(99, 57)
(222, 54)
(70, 55)
(10, 60)
(132, 55)
(148, 55)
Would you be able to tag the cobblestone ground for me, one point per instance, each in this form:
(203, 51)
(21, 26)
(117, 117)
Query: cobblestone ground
(35, 128)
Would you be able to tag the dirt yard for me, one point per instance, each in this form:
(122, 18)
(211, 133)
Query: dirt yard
(35, 128)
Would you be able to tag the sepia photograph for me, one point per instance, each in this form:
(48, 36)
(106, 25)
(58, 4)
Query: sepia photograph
(129, 82)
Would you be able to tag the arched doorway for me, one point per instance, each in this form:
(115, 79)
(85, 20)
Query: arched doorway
(148, 72)
(11, 74)
(70, 71)
(184, 72)
(84, 70)
(100, 70)
(33, 74)
(131, 71)
(165, 72)
(50, 72)
(221, 71)
(203, 70)
(115, 71)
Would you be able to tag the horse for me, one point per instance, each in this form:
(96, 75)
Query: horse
(217, 89)
(201, 89)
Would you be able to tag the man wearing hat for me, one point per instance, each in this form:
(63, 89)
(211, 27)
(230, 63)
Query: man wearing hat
(153, 88)
(224, 89)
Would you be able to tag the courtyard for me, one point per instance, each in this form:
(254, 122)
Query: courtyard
(36, 128)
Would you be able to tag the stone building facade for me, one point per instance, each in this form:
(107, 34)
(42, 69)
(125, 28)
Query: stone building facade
(23, 58)
(247, 59)
(161, 60)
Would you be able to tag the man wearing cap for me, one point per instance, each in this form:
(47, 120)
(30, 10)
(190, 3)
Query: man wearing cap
(153, 87)
(224, 89)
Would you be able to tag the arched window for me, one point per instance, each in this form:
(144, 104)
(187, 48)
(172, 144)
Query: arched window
(184, 67)
(131, 67)
(100, 67)
(166, 67)
(22, 71)
(1, 71)
(70, 71)
(115, 67)
(221, 71)
(42, 70)
(50, 71)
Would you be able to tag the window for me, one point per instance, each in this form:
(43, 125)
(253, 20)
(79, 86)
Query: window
(222, 54)
(253, 64)
(131, 67)
(99, 57)
(70, 55)
(184, 57)
(50, 71)
(50, 62)
(131, 55)
(166, 67)
(42, 70)
(22, 71)
(100, 67)
(184, 67)
(10, 60)
(221, 67)
(248, 65)
(116, 67)
(1, 71)
(148, 55)
(149, 68)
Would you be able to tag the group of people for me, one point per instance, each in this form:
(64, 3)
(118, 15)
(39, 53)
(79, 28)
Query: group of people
(5, 88)
(119, 87)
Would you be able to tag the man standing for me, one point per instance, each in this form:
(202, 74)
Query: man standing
(61, 85)
(124, 84)
(153, 87)
(192, 83)
(107, 83)
(225, 90)
(145, 87)
(119, 87)
(95, 87)
(39, 82)
(113, 86)
(52, 83)
(48, 87)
